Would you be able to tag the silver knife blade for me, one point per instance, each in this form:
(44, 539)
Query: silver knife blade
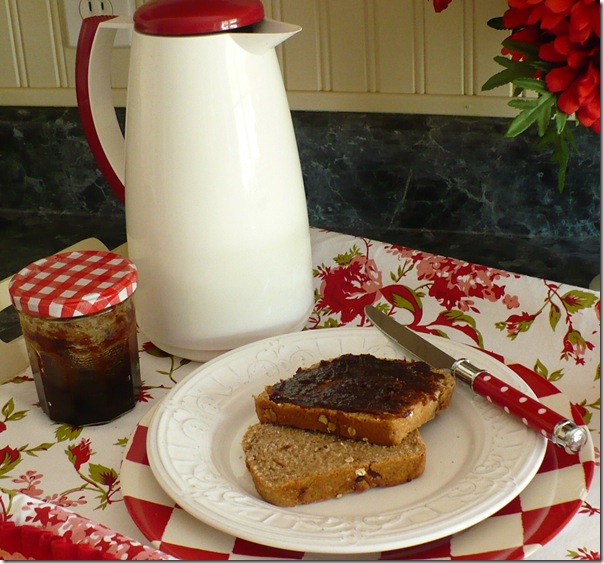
(410, 340)
(556, 428)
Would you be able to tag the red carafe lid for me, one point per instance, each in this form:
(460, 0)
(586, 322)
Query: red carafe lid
(196, 17)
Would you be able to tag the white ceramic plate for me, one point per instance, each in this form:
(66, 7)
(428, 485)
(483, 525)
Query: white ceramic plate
(479, 458)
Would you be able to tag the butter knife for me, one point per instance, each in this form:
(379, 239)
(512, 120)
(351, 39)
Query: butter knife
(553, 426)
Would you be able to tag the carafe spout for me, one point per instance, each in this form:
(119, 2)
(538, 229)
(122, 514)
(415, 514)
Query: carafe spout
(267, 35)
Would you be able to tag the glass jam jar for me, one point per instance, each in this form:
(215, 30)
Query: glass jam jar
(78, 321)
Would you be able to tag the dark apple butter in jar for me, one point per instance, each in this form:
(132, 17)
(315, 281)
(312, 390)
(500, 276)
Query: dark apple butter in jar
(78, 321)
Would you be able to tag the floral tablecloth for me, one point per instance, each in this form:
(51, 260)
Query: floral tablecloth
(65, 481)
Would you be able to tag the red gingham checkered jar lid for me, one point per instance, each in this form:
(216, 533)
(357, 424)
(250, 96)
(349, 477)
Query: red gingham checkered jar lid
(73, 284)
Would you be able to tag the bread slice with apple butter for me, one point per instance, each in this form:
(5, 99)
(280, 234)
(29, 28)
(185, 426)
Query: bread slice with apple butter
(358, 396)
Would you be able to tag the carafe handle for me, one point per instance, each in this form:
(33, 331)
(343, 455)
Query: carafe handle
(95, 101)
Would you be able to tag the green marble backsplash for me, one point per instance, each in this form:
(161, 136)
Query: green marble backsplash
(363, 172)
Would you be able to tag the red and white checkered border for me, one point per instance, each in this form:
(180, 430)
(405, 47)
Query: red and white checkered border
(514, 532)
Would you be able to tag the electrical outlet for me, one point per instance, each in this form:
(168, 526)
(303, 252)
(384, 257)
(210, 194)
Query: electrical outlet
(76, 10)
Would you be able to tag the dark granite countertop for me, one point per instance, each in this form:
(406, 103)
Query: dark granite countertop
(448, 185)
(25, 237)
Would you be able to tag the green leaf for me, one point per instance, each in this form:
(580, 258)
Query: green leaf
(556, 375)
(67, 432)
(554, 316)
(523, 103)
(561, 139)
(531, 115)
(500, 79)
(344, 259)
(540, 369)
(513, 72)
(9, 413)
(533, 84)
(41, 447)
(562, 157)
(496, 23)
(527, 49)
(329, 322)
(504, 61)
(458, 316)
(577, 299)
(101, 474)
(406, 298)
(542, 66)
(561, 119)
(8, 407)
(544, 116)
(9, 461)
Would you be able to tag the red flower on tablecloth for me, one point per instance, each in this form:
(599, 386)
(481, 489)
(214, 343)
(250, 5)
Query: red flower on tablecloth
(144, 396)
(62, 500)
(516, 324)
(575, 346)
(454, 282)
(9, 458)
(48, 515)
(32, 479)
(79, 454)
(584, 553)
(558, 308)
(346, 289)
(588, 509)
(103, 475)
(99, 478)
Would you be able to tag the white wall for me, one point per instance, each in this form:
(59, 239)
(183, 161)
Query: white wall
(352, 55)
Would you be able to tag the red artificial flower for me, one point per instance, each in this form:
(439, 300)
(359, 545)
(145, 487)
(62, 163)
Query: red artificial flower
(584, 21)
(440, 5)
(530, 35)
(567, 33)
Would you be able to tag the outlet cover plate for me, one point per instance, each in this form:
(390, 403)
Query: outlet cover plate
(74, 11)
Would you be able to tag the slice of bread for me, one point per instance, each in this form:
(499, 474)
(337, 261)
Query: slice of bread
(359, 397)
(291, 466)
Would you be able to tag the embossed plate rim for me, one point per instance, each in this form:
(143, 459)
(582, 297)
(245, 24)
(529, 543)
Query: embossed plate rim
(195, 455)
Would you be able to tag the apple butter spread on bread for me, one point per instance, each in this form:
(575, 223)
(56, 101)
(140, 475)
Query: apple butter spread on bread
(358, 396)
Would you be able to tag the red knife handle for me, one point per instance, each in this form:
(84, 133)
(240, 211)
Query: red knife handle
(555, 427)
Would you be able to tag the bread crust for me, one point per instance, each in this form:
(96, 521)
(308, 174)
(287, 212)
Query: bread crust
(291, 466)
(383, 429)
